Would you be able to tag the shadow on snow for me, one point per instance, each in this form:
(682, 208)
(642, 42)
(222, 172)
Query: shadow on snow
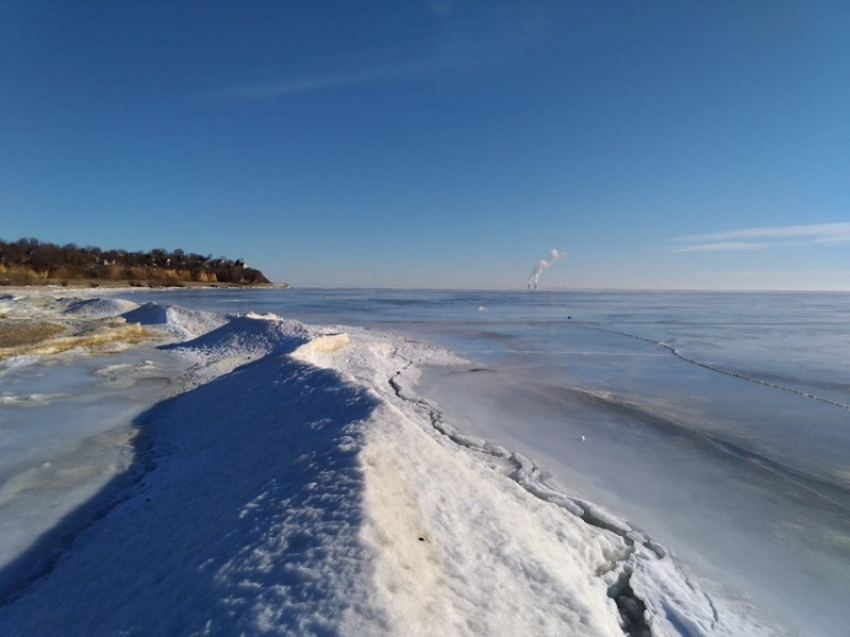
(240, 513)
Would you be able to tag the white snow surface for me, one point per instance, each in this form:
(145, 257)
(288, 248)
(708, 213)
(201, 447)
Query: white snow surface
(300, 486)
(98, 307)
(177, 322)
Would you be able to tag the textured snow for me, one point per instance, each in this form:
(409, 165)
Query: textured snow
(98, 307)
(177, 322)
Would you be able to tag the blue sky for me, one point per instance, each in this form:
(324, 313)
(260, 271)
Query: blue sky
(439, 144)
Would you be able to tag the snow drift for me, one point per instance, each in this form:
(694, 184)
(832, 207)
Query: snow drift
(97, 307)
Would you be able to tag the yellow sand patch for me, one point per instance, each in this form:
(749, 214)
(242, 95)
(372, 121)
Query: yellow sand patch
(18, 333)
(112, 336)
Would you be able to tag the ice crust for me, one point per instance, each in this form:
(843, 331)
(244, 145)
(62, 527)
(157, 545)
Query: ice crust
(301, 486)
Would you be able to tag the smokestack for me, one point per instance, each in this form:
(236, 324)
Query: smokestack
(554, 255)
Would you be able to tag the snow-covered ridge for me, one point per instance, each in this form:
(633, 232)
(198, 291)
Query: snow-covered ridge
(652, 594)
(301, 486)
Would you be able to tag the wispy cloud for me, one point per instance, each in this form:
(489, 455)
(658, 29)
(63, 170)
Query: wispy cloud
(453, 36)
(765, 237)
(728, 245)
(279, 88)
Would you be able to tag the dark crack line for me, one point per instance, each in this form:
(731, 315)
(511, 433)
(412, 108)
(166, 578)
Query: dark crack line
(672, 350)
(631, 608)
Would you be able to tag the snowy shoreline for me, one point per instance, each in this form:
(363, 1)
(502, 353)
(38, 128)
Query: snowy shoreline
(299, 485)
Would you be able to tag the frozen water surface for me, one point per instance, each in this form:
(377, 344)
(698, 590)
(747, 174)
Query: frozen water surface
(743, 469)
(716, 423)
(65, 431)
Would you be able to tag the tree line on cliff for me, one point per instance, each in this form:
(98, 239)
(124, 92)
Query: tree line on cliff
(34, 259)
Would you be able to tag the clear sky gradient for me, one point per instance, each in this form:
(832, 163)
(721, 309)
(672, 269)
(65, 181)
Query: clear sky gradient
(438, 144)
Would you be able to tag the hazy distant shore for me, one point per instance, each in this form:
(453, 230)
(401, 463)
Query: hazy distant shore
(132, 283)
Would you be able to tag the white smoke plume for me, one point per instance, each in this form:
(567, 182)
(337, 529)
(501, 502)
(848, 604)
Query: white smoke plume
(554, 255)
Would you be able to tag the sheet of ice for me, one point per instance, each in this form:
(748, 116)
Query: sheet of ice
(774, 528)
(65, 432)
(303, 484)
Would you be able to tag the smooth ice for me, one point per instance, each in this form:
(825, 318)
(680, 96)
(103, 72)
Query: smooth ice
(66, 423)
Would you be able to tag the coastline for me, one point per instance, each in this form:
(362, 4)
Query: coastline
(110, 284)
(428, 498)
(20, 333)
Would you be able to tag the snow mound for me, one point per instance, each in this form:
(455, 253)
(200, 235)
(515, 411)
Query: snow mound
(246, 521)
(175, 321)
(98, 307)
(247, 336)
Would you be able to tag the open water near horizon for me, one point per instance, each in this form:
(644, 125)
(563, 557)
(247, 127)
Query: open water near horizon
(719, 423)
